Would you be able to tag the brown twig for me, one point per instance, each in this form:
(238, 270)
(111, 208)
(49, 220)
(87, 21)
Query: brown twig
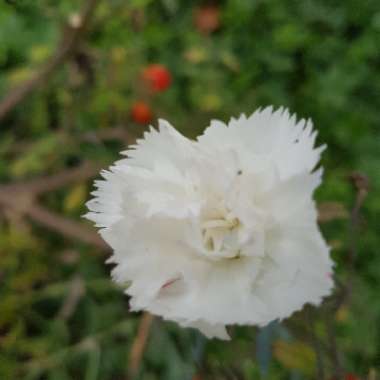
(333, 347)
(317, 346)
(76, 292)
(66, 227)
(139, 344)
(328, 211)
(116, 133)
(119, 133)
(42, 185)
(21, 198)
(87, 344)
(361, 185)
(69, 41)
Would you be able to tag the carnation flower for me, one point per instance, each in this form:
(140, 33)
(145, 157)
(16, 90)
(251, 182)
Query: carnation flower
(221, 230)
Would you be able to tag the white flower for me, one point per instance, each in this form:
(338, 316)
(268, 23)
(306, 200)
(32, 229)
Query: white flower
(221, 230)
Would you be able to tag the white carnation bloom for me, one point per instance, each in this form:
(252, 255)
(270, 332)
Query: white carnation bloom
(221, 230)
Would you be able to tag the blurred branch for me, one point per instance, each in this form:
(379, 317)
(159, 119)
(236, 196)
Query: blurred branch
(333, 347)
(42, 185)
(66, 227)
(76, 292)
(21, 198)
(71, 35)
(361, 185)
(328, 211)
(88, 344)
(138, 345)
(119, 133)
(317, 346)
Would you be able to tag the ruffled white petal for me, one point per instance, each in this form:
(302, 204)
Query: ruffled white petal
(209, 330)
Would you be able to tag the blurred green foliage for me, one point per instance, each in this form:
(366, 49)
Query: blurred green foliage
(320, 58)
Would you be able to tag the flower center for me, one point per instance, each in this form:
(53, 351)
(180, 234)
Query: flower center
(220, 236)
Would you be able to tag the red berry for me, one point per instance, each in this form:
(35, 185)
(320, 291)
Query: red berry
(141, 113)
(347, 376)
(207, 18)
(157, 77)
(351, 376)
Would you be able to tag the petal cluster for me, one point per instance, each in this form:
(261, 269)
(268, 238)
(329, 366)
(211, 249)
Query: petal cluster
(221, 230)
